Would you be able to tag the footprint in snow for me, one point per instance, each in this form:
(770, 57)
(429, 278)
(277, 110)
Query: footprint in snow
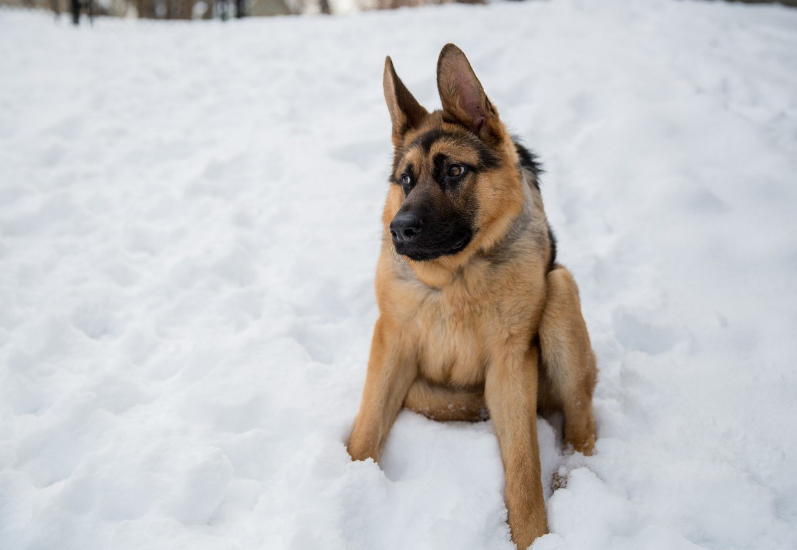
(640, 333)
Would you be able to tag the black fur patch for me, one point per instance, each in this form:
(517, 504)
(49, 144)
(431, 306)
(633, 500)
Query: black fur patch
(487, 158)
(439, 170)
(429, 138)
(528, 161)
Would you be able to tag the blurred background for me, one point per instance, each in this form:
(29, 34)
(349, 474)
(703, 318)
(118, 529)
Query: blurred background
(224, 9)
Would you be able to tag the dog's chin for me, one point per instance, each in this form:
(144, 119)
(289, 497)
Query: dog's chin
(422, 254)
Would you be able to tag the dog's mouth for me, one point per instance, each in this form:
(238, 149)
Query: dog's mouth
(423, 254)
(460, 244)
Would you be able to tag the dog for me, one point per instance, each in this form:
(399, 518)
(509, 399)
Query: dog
(476, 315)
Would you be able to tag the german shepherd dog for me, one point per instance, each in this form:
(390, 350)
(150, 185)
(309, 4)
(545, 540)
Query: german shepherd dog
(476, 315)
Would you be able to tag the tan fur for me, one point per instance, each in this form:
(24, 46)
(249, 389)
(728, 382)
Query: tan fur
(489, 327)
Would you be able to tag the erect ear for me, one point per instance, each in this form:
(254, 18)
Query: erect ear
(463, 97)
(405, 111)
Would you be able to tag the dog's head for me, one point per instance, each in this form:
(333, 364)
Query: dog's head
(456, 186)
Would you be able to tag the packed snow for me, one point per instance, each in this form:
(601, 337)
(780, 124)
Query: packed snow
(189, 225)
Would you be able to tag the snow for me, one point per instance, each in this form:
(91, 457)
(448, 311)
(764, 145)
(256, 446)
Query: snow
(189, 225)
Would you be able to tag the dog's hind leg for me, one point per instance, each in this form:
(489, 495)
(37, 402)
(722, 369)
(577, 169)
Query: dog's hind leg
(568, 360)
(442, 403)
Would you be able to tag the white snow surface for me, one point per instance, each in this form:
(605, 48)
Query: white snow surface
(189, 225)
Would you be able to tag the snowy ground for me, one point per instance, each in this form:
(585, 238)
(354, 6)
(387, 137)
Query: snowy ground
(189, 223)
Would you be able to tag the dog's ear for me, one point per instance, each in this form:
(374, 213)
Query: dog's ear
(463, 97)
(405, 111)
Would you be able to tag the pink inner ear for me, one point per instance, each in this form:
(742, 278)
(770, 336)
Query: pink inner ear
(471, 100)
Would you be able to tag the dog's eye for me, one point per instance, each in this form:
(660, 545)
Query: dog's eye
(456, 170)
(406, 183)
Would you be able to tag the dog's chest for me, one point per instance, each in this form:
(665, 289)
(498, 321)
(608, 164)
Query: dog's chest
(453, 340)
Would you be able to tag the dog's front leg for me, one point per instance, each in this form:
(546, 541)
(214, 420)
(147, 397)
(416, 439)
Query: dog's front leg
(391, 371)
(511, 395)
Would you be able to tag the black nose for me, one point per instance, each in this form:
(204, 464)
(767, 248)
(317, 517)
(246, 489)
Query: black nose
(406, 227)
